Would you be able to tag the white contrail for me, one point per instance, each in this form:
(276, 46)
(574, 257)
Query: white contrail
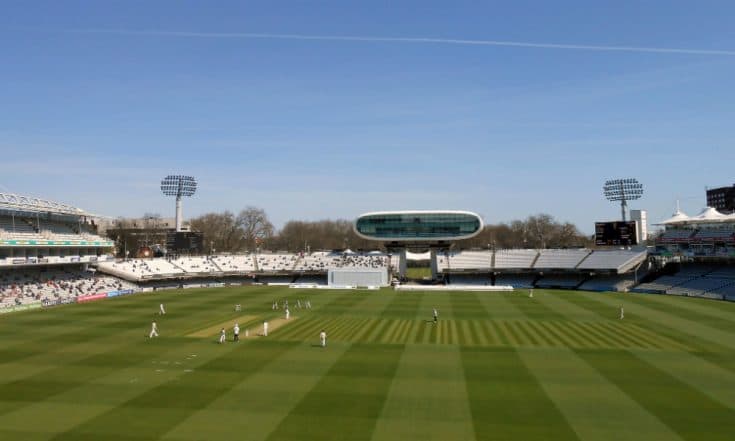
(245, 35)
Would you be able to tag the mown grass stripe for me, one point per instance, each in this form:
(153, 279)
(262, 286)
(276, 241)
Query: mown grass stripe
(500, 332)
(487, 333)
(405, 333)
(390, 332)
(468, 338)
(169, 396)
(291, 331)
(454, 335)
(377, 331)
(662, 395)
(477, 335)
(554, 329)
(541, 335)
(357, 325)
(590, 338)
(660, 339)
(369, 326)
(530, 333)
(339, 326)
(616, 339)
(514, 339)
(632, 336)
(507, 401)
(357, 385)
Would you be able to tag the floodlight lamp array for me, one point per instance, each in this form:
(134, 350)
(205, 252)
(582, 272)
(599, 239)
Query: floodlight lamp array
(178, 185)
(623, 189)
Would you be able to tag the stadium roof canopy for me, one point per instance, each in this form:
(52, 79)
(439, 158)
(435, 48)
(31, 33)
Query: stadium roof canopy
(707, 216)
(14, 202)
(418, 227)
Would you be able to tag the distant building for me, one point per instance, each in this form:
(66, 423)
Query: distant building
(641, 224)
(722, 199)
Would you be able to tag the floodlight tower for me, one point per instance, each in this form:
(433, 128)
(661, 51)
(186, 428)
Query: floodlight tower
(178, 185)
(623, 190)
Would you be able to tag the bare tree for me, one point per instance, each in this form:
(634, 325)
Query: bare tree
(255, 226)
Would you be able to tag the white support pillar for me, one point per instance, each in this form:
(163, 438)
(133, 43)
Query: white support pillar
(179, 214)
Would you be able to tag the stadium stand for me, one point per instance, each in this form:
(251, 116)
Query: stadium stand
(515, 259)
(276, 262)
(565, 281)
(465, 260)
(469, 279)
(619, 283)
(142, 269)
(235, 263)
(661, 285)
(560, 259)
(620, 260)
(54, 285)
(515, 280)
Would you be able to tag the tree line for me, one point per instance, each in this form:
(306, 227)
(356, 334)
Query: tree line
(251, 229)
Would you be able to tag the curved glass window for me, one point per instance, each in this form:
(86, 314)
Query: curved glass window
(392, 226)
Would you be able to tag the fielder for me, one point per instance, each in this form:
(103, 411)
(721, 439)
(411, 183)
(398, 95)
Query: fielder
(288, 313)
(238, 307)
(161, 310)
(236, 332)
(530, 293)
(323, 338)
(436, 316)
(622, 313)
(222, 336)
(265, 329)
(154, 330)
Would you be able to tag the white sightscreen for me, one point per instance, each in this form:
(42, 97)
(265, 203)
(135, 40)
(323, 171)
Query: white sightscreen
(358, 277)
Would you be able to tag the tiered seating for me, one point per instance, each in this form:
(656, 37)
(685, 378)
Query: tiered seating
(715, 235)
(560, 259)
(662, 284)
(694, 270)
(235, 263)
(137, 269)
(608, 283)
(362, 261)
(724, 271)
(319, 261)
(468, 279)
(700, 287)
(516, 281)
(276, 262)
(620, 260)
(20, 228)
(518, 259)
(560, 281)
(200, 264)
(21, 287)
(466, 260)
(676, 235)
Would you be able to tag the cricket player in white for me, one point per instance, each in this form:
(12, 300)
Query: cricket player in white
(265, 329)
(323, 338)
(622, 313)
(236, 332)
(154, 330)
(222, 335)
(530, 293)
(161, 310)
(288, 313)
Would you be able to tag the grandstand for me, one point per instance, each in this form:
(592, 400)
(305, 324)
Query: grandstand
(515, 259)
(560, 259)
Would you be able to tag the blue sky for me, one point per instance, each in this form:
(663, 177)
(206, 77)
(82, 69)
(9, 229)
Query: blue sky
(100, 100)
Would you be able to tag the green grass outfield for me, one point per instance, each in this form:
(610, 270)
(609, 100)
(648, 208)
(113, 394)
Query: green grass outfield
(559, 366)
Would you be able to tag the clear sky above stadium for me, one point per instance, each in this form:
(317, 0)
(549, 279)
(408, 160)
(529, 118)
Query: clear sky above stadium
(329, 109)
